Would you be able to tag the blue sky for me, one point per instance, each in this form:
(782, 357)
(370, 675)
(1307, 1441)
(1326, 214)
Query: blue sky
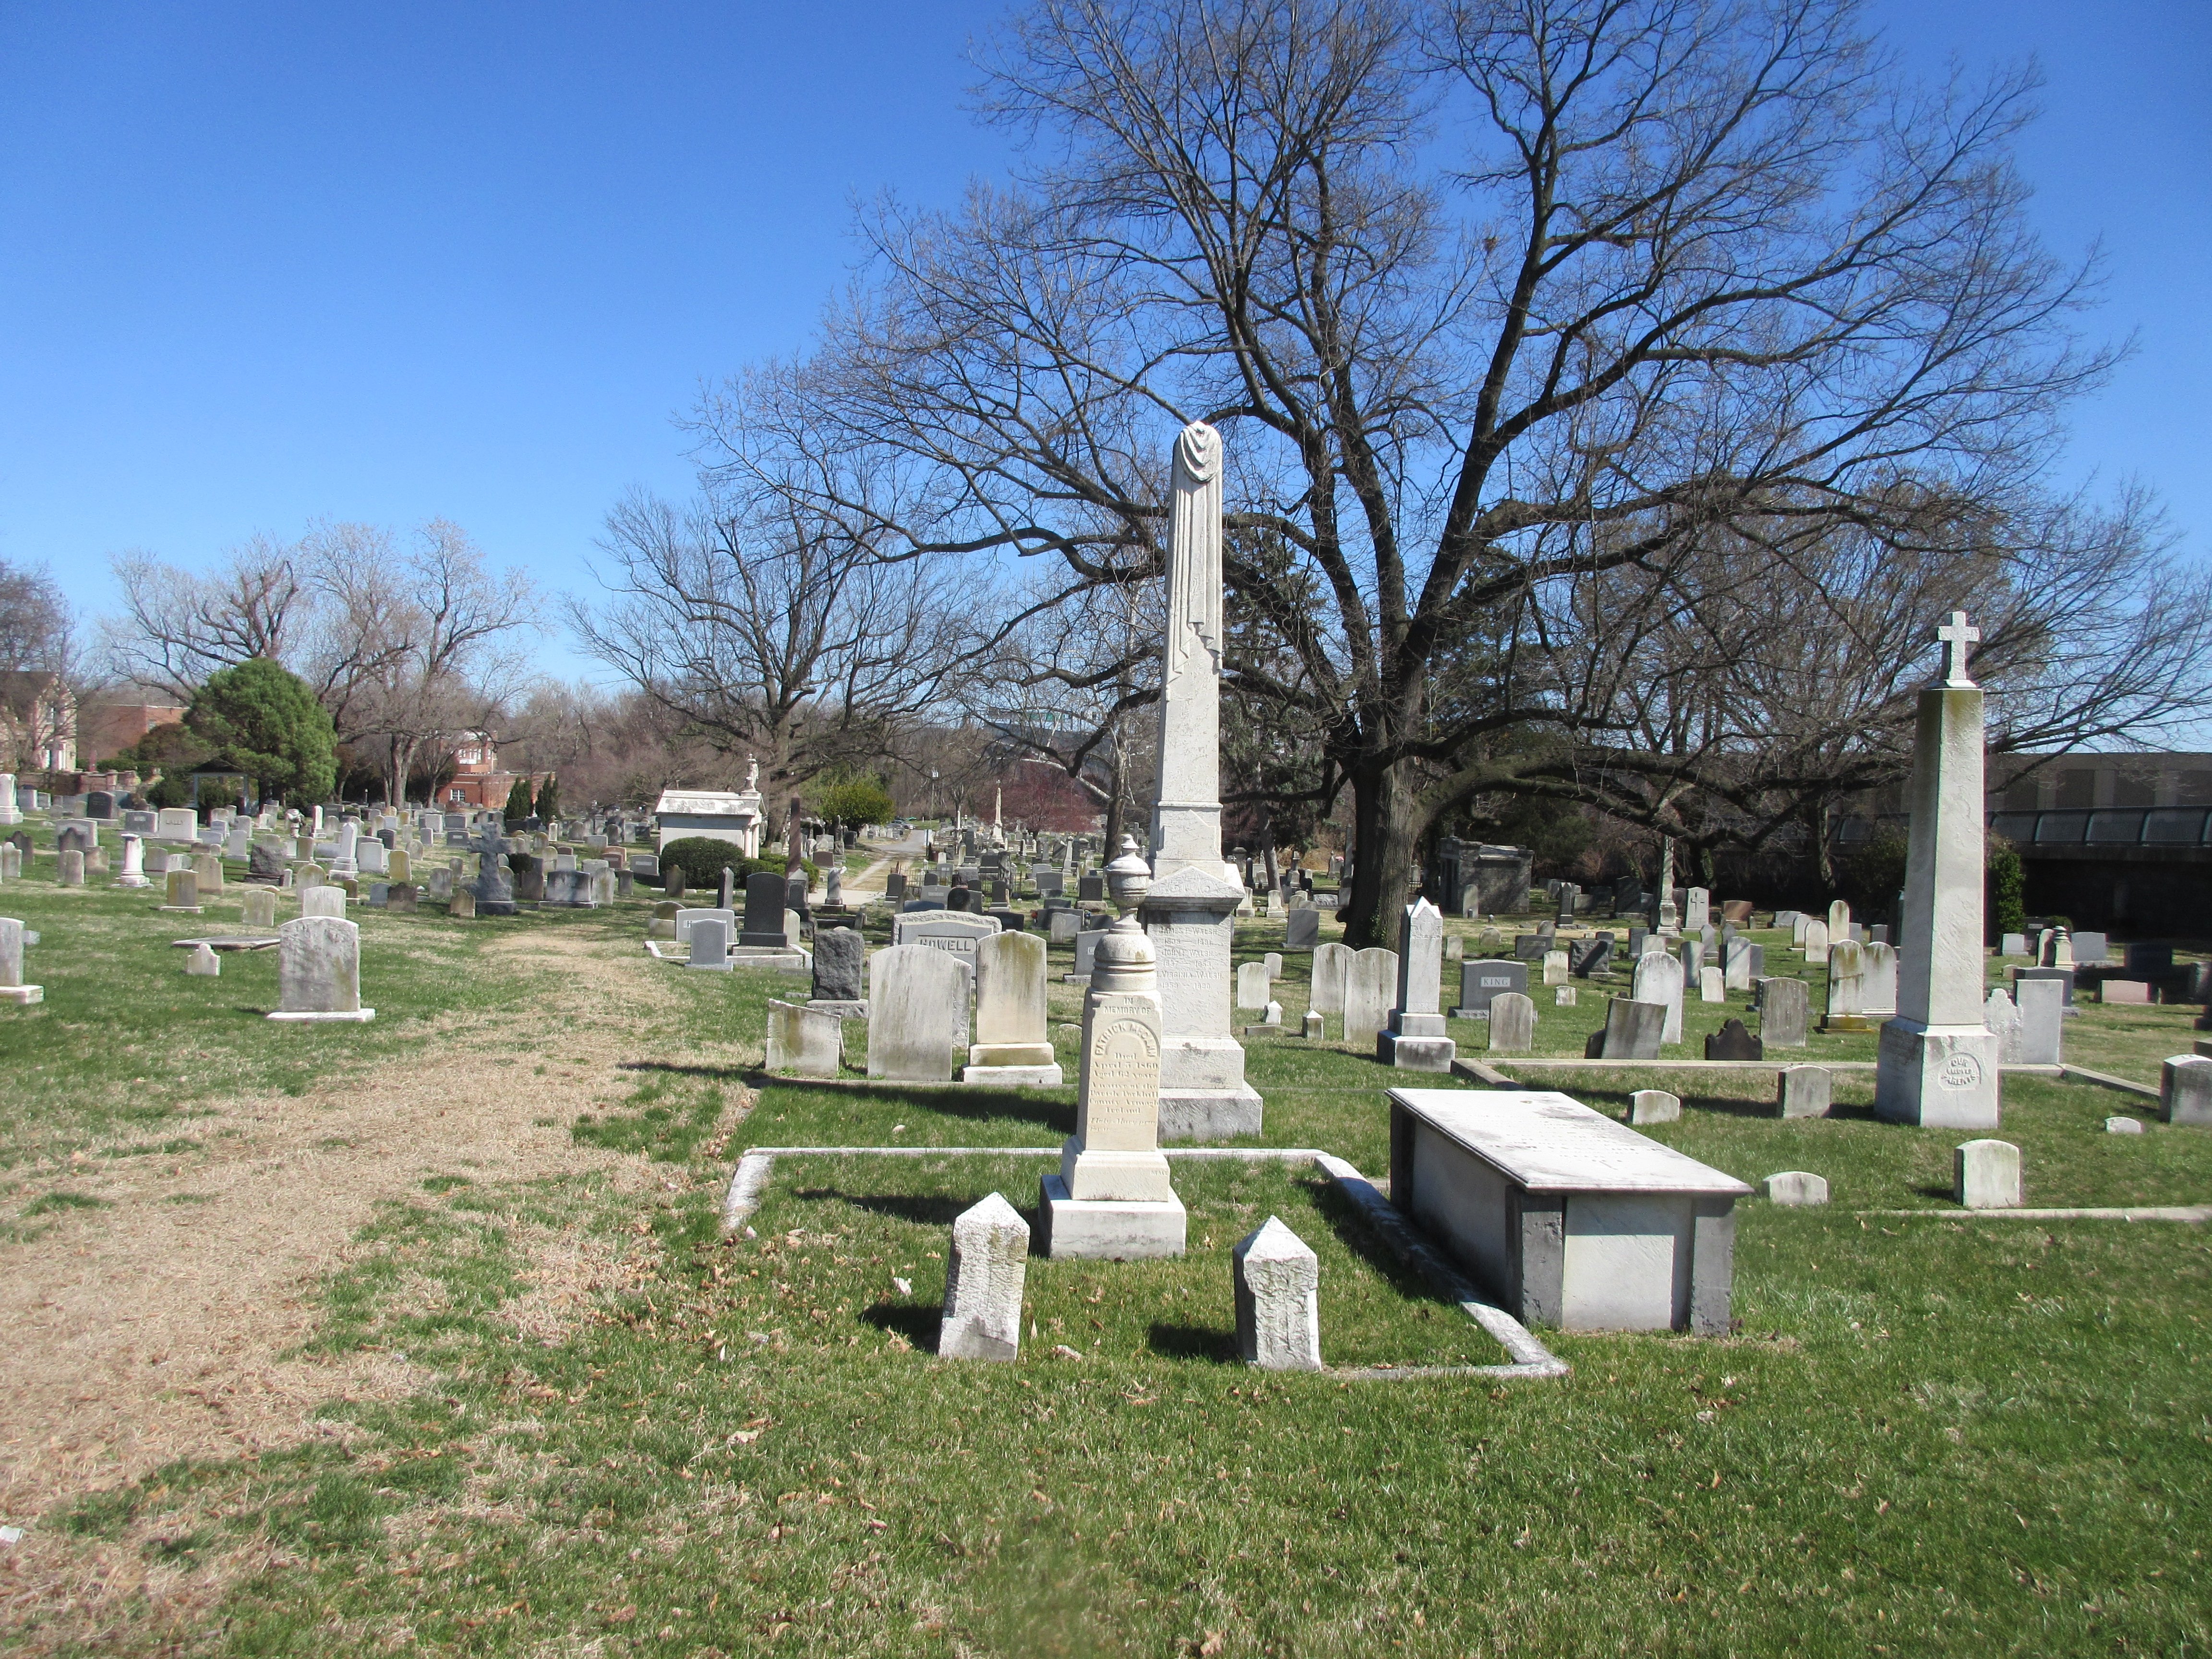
(263, 263)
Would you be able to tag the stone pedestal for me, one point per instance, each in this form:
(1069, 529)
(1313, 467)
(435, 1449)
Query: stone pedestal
(1113, 1196)
(1937, 1062)
(1191, 919)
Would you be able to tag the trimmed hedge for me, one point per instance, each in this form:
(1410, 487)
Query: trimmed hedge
(701, 858)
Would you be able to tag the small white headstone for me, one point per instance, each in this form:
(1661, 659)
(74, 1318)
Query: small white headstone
(1512, 1023)
(1370, 988)
(1985, 1175)
(1712, 985)
(1654, 1106)
(2184, 1090)
(203, 963)
(983, 1278)
(2123, 1126)
(1278, 1282)
(1796, 1187)
(1252, 985)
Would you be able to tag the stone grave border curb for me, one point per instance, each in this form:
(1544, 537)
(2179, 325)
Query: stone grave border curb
(2189, 1213)
(1531, 1358)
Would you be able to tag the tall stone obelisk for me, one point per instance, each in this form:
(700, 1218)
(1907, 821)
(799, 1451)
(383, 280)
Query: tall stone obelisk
(1191, 911)
(1937, 1063)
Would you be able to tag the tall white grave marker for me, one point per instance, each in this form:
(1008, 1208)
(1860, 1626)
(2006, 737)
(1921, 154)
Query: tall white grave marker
(1113, 1196)
(1938, 1061)
(1191, 910)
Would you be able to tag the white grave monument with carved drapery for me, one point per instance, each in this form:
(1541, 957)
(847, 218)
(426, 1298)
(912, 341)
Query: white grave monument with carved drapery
(1190, 911)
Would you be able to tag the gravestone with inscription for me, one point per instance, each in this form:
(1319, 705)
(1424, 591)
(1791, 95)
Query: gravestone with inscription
(1113, 1196)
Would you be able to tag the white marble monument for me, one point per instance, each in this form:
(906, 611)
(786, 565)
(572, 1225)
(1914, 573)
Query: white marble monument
(1937, 1063)
(1191, 910)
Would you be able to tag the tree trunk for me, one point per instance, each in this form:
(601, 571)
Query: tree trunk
(1388, 822)
(1116, 812)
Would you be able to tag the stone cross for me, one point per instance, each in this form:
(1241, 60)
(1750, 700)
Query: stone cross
(1956, 636)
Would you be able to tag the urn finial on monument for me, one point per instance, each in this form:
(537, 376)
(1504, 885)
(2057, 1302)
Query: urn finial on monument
(1937, 1061)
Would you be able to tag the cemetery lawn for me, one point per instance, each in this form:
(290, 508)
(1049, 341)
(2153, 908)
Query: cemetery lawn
(605, 1431)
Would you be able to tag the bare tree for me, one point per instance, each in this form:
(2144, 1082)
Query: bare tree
(1504, 305)
(420, 648)
(39, 667)
(178, 627)
(772, 635)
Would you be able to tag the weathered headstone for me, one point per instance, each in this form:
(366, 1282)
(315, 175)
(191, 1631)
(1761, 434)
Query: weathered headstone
(1370, 984)
(709, 937)
(1817, 944)
(1649, 1106)
(1795, 1188)
(917, 1012)
(1734, 1041)
(1806, 1091)
(1415, 1039)
(805, 1042)
(840, 958)
(318, 971)
(183, 891)
(1985, 1175)
(1632, 1029)
(1012, 1046)
(1785, 1013)
(203, 964)
(984, 1275)
(1512, 1023)
(1278, 1284)
(1712, 986)
(2184, 1090)
(1252, 985)
(1332, 967)
(258, 908)
(1302, 930)
(1846, 989)
(1659, 980)
(2042, 1004)
(2003, 1019)
(12, 985)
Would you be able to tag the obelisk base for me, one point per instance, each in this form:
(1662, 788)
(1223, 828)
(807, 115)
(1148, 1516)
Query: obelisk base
(1107, 1229)
(1938, 1076)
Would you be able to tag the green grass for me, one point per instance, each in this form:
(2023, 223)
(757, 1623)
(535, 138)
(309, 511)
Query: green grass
(1927, 1436)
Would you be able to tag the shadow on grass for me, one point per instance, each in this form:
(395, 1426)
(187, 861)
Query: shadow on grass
(917, 1325)
(1356, 1235)
(975, 1105)
(1724, 1106)
(1192, 1342)
(921, 1209)
(1946, 1194)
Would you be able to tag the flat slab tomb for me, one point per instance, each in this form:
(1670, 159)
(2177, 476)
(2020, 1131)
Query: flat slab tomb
(1567, 1217)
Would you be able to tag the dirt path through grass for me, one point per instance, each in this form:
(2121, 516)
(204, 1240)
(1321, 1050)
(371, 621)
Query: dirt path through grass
(155, 1328)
